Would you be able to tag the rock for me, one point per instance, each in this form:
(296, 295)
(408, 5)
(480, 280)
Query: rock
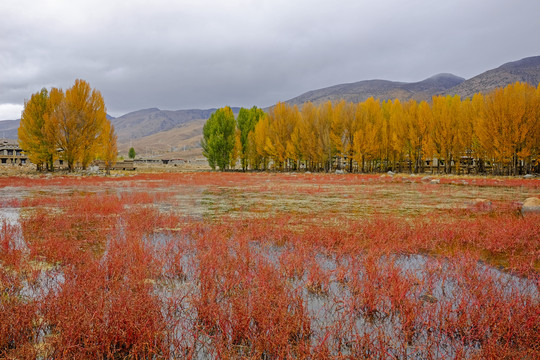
(428, 298)
(340, 172)
(435, 181)
(93, 169)
(531, 205)
(480, 204)
(528, 176)
(426, 178)
(391, 173)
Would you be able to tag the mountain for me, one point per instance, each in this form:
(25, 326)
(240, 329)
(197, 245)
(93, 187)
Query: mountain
(524, 70)
(178, 143)
(177, 134)
(381, 89)
(9, 129)
(146, 122)
(170, 133)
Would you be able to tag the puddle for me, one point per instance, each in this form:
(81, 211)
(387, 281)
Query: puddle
(10, 216)
(434, 285)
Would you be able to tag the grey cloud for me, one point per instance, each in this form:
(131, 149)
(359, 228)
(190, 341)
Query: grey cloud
(199, 54)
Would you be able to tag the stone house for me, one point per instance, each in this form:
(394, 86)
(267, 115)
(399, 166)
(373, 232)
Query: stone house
(11, 153)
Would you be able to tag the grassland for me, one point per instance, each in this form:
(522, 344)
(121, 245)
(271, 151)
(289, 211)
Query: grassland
(269, 266)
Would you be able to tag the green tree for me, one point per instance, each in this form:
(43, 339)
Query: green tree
(246, 121)
(218, 141)
(132, 153)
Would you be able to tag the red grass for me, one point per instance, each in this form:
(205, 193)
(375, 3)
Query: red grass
(131, 281)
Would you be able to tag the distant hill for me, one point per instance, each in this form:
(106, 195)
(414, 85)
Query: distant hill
(381, 89)
(180, 142)
(146, 122)
(524, 70)
(9, 129)
(177, 134)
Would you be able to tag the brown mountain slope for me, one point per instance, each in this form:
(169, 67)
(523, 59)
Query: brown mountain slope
(155, 130)
(381, 89)
(9, 129)
(177, 143)
(146, 122)
(524, 70)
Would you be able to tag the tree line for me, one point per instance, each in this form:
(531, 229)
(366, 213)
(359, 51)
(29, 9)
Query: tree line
(71, 126)
(498, 132)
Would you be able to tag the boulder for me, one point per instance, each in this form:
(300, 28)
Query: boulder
(93, 169)
(531, 205)
(480, 204)
(528, 176)
(435, 181)
(340, 172)
(428, 298)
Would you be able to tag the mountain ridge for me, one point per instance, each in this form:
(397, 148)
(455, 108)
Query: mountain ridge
(524, 70)
(153, 125)
(380, 89)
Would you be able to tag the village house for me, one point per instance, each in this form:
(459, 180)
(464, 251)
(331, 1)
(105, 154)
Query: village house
(11, 153)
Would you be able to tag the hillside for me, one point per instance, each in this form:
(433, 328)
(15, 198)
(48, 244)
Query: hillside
(9, 128)
(178, 143)
(146, 122)
(381, 89)
(524, 70)
(177, 134)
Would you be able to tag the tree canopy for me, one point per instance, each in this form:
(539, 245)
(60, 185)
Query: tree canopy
(70, 125)
(500, 129)
(132, 153)
(219, 138)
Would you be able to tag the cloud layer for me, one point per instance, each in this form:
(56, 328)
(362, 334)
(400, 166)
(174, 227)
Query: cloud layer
(210, 53)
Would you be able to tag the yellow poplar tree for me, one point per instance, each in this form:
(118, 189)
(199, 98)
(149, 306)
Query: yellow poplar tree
(367, 137)
(308, 141)
(259, 139)
(283, 119)
(77, 122)
(108, 149)
(33, 138)
(322, 128)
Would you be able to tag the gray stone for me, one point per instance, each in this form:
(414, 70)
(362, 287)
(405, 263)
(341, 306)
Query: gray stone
(480, 204)
(428, 298)
(531, 205)
(93, 169)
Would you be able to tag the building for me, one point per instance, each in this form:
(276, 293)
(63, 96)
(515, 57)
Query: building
(11, 153)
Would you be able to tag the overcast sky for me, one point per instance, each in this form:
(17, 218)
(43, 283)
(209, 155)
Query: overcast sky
(209, 53)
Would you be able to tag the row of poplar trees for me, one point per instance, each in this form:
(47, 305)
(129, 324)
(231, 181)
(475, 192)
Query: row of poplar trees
(497, 132)
(71, 126)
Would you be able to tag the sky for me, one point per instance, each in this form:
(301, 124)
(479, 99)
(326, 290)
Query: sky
(199, 54)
